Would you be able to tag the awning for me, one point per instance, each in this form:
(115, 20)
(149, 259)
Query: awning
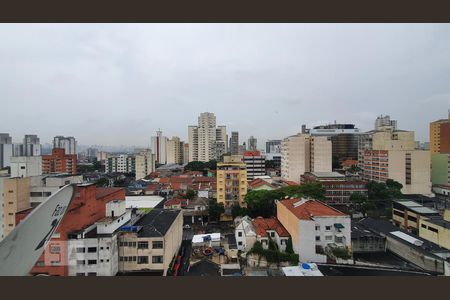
(338, 226)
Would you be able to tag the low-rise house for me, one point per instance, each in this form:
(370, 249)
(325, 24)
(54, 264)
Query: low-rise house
(260, 184)
(175, 203)
(436, 230)
(93, 251)
(314, 227)
(150, 244)
(248, 231)
(196, 211)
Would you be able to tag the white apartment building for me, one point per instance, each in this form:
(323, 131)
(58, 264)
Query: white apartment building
(305, 153)
(203, 137)
(314, 225)
(94, 250)
(26, 166)
(144, 163)
(69, 144)
(158, 146)
(122, 163)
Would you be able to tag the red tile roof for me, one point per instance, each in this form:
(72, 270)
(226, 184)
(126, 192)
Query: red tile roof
(252, 153)
(262, 225)
(176, 201)
(103, 192)
(258, 182)
(290, 183)
(349, 163)
(310, 208)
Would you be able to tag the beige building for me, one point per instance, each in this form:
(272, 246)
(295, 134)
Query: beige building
(436, 230)
(305, 153)
(174, 149)
(185, 153)
(231, 182)
(151, 243)
(16, 198)
(144, 163)
(393, 140)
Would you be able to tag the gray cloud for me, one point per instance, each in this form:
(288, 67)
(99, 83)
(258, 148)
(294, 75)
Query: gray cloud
(117, 83)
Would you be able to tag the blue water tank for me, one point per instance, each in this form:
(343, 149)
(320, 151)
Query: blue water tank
(306, 266)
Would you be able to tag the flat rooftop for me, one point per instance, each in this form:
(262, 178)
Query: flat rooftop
(417, 207)
(328, 174)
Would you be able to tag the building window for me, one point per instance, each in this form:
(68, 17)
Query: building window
(91, 274)
(157, 259)
(80, 263)
(317, 227)
(142, 259)
(317, 238)
(157, 245)
(92, 249)
(80, 274)
(92, 262)
(339, 240)
(327, 228)
(239, 243)
(433, 229)
(239, 233)
(142, 245)
(272, 234)
(424, 226)
(328, 238)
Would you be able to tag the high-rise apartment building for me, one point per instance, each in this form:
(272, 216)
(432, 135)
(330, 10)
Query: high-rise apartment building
(440, 136)
(185, 153)
(203, 137)
(305, 153)
(252, 143)
(69, 144)
(158, 146)
(234, 143)
(144, 163)
(385, 121)
(6, 150)
(174, 151)
(221, 136)
(219, 150)
(231, 183)
(255, 163)
(273, 146)
(59, 162)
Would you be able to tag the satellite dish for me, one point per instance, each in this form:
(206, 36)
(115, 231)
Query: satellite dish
(20, 249)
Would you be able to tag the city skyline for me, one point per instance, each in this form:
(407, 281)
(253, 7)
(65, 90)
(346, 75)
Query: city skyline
(117, 84)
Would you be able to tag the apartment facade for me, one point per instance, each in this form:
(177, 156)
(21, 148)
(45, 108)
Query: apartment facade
(203, 137)
(150, 244)
(252, 143)
(69, 144)
(231, 182)
(59, 162)
(440, 136)
(314, 227)
(338, 189)
(144, 162)
(16, 198)
(234, 143)
(411, 168)
(303, 153)
(122, 163)
(255, 163)
(174, 151)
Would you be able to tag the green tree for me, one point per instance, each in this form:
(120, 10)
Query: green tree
(102, 182)
(270, 164)
(289, 247)
(190, 194)
(215, 210)
(237, 211)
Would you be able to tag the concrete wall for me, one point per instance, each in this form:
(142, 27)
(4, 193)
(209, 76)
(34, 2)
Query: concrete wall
(25, 166)
(16, 197)
(440, 168)
(425, 262)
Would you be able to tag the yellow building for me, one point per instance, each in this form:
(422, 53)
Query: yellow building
(436, 230)
(16, 197)
(393, 140)
(231, 182)
(440, 136)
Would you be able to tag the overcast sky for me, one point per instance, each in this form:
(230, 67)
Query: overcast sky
(115, 84)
